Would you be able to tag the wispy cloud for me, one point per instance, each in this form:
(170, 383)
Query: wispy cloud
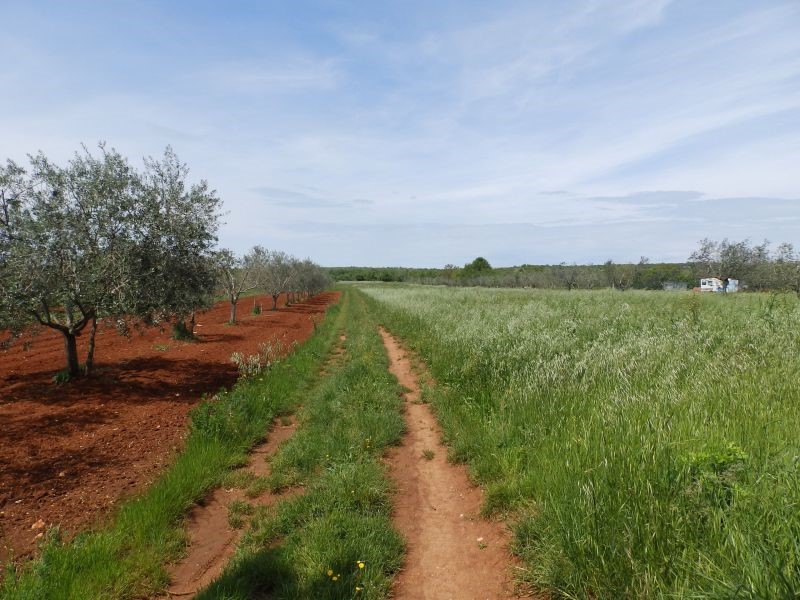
(296, 199)
(523, 131)
(271, 75)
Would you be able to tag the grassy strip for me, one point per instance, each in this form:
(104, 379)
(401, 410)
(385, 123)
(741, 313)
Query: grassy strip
(126, 559)
(336, 539)
(647, 441)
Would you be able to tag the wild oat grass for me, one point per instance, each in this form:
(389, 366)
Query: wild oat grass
(647, 442)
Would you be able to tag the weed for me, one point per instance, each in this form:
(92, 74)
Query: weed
(253, 364)
(240, 478)
(62, 376)
(237, 513)
(428, 454)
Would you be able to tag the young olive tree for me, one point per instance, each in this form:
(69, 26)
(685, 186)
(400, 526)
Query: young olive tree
(239, 275)
(95, 239)
(277, 275)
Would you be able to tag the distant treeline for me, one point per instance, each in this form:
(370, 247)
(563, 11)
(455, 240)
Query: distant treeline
(757, 267)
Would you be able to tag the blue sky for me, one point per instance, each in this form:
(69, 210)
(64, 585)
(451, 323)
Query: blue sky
(419, 134)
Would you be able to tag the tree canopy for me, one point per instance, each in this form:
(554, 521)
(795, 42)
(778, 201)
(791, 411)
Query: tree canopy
(96, 238)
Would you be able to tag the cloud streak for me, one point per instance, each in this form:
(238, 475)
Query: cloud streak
(429, 133)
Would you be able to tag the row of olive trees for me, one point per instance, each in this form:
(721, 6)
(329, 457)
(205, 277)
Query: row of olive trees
(98, 239)
(272, 271)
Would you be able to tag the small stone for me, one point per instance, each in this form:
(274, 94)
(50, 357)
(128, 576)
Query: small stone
(38, 525)
(62, 474)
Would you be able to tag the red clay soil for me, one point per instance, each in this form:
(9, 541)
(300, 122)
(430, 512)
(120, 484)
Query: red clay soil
(70, 452)
(451, 553)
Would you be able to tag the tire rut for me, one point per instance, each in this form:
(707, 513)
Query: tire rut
(211, 540)
(451, 551)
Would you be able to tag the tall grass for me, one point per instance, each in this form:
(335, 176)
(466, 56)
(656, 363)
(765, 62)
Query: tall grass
(648, 443)
(126, 558)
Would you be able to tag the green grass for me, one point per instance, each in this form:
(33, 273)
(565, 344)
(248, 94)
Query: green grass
(310, 545)
(646, 443)
(126, 559)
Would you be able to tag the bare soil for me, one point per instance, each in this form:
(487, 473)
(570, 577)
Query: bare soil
(452, 553)
(70, 452)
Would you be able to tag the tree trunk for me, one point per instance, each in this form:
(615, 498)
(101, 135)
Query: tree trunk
(233, 312)
(71, 349)
(275, 301)
(90, 351)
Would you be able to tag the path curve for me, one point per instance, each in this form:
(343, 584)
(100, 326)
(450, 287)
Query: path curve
(452, 553)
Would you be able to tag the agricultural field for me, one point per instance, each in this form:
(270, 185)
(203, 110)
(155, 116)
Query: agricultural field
(643, 444)
(454, 442)
(69, 453)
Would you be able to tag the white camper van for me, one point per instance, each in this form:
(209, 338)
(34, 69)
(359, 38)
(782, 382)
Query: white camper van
(710, 284)
(714, 284)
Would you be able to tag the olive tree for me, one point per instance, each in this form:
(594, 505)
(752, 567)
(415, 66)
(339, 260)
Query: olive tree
(239, 275)
(787, 268)
(309, 278)
(176, 255)
(95, 239)
(277, 275)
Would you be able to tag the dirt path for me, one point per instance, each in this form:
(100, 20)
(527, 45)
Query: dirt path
(212, 541)
(452, 552)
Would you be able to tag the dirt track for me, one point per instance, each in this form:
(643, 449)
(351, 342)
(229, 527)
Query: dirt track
(69, 453)
(212, 541)
(452, 552)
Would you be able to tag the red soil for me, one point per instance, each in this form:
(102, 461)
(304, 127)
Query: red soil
(70, 452)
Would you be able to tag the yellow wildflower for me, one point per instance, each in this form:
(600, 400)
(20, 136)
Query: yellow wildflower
(360, 564)
(330, 572)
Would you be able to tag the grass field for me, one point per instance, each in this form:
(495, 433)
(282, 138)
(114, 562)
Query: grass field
(645, 443)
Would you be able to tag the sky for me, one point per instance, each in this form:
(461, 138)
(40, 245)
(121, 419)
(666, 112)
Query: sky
(425, 133)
